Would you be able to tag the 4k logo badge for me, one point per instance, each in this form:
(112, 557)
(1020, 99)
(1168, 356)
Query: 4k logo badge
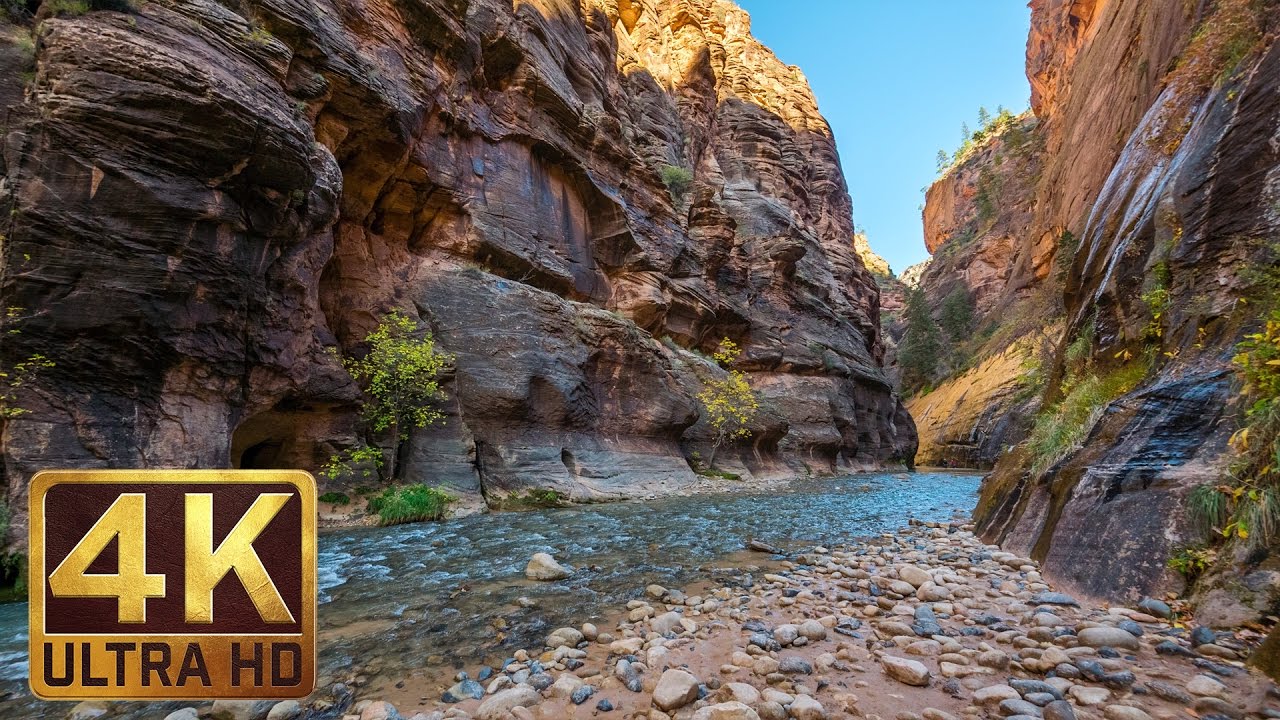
(149, 584)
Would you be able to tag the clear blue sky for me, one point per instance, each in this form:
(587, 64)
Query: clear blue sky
(896, 80)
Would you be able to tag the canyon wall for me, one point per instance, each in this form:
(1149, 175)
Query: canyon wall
(1152, 208)
(977, 218)
(203, 199)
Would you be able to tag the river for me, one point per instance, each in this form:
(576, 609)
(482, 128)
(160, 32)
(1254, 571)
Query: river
(439, 596)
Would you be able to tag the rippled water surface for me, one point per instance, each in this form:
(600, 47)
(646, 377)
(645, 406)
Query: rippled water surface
(444, 594)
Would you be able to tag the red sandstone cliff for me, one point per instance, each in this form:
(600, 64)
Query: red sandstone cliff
(1154, 201)
(202, 199)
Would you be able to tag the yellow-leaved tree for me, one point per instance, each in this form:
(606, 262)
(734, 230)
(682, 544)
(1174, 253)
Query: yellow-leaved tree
(730, 402)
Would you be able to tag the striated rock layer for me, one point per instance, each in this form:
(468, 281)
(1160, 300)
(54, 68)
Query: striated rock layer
(978, 223)
(1162, 161)
(203, 199)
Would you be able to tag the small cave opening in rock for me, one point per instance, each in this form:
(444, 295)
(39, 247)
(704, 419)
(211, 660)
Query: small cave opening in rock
(263, 456)
(299, 438)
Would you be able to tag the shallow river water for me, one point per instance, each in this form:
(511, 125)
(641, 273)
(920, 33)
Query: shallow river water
(444, 595)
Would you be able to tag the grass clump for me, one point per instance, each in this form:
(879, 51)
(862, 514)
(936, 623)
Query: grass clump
(335, 498)
(533, 499)
(68, 8)
(544, 498)
(258, 36)
(413, 503)
(1062, 427)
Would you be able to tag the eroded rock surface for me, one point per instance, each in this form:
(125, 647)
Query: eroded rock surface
(204, 199)
(1126, 243)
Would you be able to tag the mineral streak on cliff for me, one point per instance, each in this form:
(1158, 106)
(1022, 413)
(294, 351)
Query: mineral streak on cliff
(1155, 191)
(202, 199)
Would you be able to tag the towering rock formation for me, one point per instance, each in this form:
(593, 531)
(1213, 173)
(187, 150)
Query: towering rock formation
(977, 220)
(1152, 205)
(203, 199)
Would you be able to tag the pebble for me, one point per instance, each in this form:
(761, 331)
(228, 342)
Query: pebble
(463, 690)
(499, 705)
(914, 575)
(905, 671)
(806, 708)
(1169, 647)
(566, 636)
(1087, 696)
(284, 710)
(727, 711)
(1207, 706)
(1205, 686)
(1159, 609)
(581, 694)
(794, 665)
(1202, 635)
(1018, 706)
(676, 688)
(1166, 691)
(1054, 598)
(1114, 637)
(1124, 712)
(1059, 710)
(380, 710)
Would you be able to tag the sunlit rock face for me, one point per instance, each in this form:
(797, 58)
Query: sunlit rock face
(204, 200)
(1161, 159)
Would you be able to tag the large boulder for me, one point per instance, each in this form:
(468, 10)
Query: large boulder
(544, 567)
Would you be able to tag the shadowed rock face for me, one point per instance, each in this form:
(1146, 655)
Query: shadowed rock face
(1170, 183)
(205, 198)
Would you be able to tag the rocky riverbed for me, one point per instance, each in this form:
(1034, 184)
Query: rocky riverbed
(926, 623)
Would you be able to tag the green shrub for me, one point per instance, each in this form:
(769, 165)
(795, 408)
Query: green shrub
(678, 181)
(363, 461)
(957, 313)
(335, 498)
(987, 197)
(1064, 254)
(533, 499)
(722, 474)
(13, 577)
(20, 374)
(1252, 493)
(730, 403)
(1191, 561)
(400, 376)
(1031, 380)
(259, 36)
(412, 503)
